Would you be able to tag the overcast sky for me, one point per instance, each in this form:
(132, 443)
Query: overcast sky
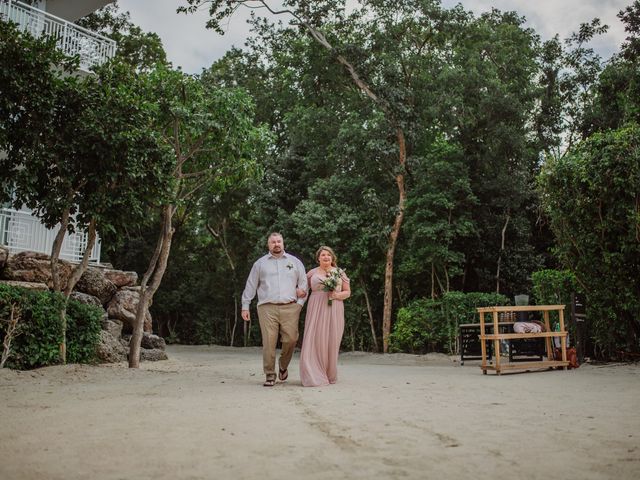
(191, 46)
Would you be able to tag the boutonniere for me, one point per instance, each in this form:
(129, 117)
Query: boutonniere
(289, 265)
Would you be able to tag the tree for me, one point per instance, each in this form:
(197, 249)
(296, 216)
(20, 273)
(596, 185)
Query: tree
(27, 84)
(614, 102)
(312, 17)
(591, 197)
(439, 208)
(83, 158)
(209, 139)
(39, 137)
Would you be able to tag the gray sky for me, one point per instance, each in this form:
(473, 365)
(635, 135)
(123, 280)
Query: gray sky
(190, 45)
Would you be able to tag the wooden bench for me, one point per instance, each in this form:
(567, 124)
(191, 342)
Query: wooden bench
(496, 364)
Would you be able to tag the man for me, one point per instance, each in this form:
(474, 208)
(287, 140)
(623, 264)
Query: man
(281, 283)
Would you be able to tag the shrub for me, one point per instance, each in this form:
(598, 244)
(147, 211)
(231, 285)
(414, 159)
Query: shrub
(83, 331)
(591, 198)
(40, 328)
(427, 325)
(418, 328)
(554, 287)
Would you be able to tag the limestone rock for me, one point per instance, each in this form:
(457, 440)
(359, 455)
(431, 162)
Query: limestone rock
(121, 279)
(86, 298)
(152, 341)
(28, 285)
(113, 326)
(35, 267)
(123, 307)
(109, 349)
(94, 283)
(148, 354)
(4, 255)
(152, 354)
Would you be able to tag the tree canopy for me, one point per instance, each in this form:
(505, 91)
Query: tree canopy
(435, 150)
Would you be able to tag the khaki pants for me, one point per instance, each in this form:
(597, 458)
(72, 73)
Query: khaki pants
(274, 319)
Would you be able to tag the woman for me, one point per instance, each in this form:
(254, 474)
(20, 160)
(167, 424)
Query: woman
(324, 321)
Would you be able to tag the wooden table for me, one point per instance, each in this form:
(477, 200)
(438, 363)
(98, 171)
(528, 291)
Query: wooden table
(549, 362)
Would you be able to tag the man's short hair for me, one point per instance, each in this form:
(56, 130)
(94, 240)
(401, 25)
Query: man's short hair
(275, 234)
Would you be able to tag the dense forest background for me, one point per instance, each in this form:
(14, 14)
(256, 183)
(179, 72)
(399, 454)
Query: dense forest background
(483, 104)
(435, 150)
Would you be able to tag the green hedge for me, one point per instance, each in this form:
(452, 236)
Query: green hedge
(83, 331)
(40, 328)
(427, 325)
(554, 287)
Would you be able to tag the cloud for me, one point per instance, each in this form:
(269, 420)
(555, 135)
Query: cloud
(191, 46)
(562, 17)
(188, 43)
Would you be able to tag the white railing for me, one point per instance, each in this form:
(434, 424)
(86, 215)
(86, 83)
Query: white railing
(92, 48)
(20, 231)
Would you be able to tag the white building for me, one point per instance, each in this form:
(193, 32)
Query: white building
(19, 230)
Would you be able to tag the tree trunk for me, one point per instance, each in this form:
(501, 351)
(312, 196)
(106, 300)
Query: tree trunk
(235, 319)
(433, 281)
(56, 248)
(504, 231)
(75, 275)
(246, 328)
(393, 240)
(150, 283)
(371, 320)
(82, 266)
(71, 283)
(221, 236)
(11, 332)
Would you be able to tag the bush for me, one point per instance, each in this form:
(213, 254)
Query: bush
(591, 198)
(418, 328)
(83, 331)
(427, 325)
(40, 328)
(554, 287)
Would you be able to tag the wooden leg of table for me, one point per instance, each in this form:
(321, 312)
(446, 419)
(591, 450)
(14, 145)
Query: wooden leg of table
(547, 340)
(496, 342)
(563, 338)
(483, 345)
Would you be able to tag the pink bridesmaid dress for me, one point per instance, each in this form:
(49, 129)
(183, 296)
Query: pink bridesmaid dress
(323, 329)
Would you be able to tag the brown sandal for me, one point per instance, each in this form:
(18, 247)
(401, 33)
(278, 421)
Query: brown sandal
(283, 374)
(270, 381)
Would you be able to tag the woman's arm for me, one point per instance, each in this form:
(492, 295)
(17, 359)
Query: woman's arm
(345, 293)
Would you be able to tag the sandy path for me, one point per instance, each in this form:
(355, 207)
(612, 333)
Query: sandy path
(204, 414)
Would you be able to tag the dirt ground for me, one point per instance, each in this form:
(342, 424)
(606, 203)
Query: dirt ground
(203, 414)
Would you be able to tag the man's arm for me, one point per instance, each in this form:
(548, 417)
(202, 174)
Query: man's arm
(303, 284)
(249, 292)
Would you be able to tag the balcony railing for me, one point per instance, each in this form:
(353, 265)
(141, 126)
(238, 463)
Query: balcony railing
(93, 49)
(20, 231)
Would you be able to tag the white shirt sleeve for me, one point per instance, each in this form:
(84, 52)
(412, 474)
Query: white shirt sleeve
(251, 286)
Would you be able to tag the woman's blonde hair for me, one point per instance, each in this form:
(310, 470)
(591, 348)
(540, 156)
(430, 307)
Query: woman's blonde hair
(334, 257)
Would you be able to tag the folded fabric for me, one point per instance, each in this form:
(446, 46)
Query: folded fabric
(527, 327)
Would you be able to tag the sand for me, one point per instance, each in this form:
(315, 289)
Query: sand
(204, 414)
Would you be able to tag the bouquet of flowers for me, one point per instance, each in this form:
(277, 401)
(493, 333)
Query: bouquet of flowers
(333, 282)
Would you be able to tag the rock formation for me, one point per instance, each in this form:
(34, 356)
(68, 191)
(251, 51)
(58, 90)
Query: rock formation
(114, 291)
